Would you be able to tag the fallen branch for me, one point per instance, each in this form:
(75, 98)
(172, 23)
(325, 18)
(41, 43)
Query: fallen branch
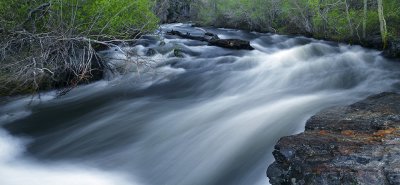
(214, 40)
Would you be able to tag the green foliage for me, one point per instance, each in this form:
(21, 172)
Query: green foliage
(392, 15)
(123, 18)
(15, 12)
(322, 18)
(207, 12)
(117, 18)
(236, 13)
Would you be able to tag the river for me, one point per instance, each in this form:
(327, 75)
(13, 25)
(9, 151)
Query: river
(209, 117)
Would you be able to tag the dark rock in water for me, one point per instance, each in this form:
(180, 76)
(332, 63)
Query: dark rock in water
(187, 36)
(178, 53)
(231, 43)
(373, 41)
(210, 36)
(151, 52)
(356, 144)
(181, 52)
(393, 50)
(162, 43)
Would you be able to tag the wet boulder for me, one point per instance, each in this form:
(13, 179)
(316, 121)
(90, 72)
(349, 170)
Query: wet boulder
(356, 144)
(178, 53)
(231, 43)
(151, 52)
(187, 35)
(393, 49)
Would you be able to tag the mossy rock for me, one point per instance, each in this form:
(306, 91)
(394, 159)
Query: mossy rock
(178, 53)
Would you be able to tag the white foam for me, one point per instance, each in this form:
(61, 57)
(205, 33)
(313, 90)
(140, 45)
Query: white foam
(17, 170)
(16, 110)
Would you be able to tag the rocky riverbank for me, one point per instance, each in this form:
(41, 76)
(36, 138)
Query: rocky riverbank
(356, 144)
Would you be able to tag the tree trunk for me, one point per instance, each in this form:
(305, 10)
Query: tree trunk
(348, 18)
(306, 22)
(382, 23)
(365, 19)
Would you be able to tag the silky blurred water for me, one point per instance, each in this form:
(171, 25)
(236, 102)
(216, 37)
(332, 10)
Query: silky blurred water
(209, 118)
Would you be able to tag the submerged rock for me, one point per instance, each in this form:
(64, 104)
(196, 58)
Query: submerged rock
(151, 52)
(178, 53)
(356, 144)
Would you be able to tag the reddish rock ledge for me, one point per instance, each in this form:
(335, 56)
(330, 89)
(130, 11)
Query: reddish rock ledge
(356, 144)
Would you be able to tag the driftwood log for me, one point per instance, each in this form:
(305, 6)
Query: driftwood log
(214, 40)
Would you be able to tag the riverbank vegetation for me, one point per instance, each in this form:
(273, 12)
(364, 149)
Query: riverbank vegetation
(339, 19)
(51, 44)
(371, 23)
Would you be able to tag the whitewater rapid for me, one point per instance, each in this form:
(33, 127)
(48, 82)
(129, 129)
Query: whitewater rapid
(211, 117)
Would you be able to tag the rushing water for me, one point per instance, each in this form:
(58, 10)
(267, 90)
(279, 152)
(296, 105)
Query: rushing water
(209, 118)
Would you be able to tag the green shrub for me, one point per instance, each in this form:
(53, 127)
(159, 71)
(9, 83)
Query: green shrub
(122, 18)
(117, 18)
